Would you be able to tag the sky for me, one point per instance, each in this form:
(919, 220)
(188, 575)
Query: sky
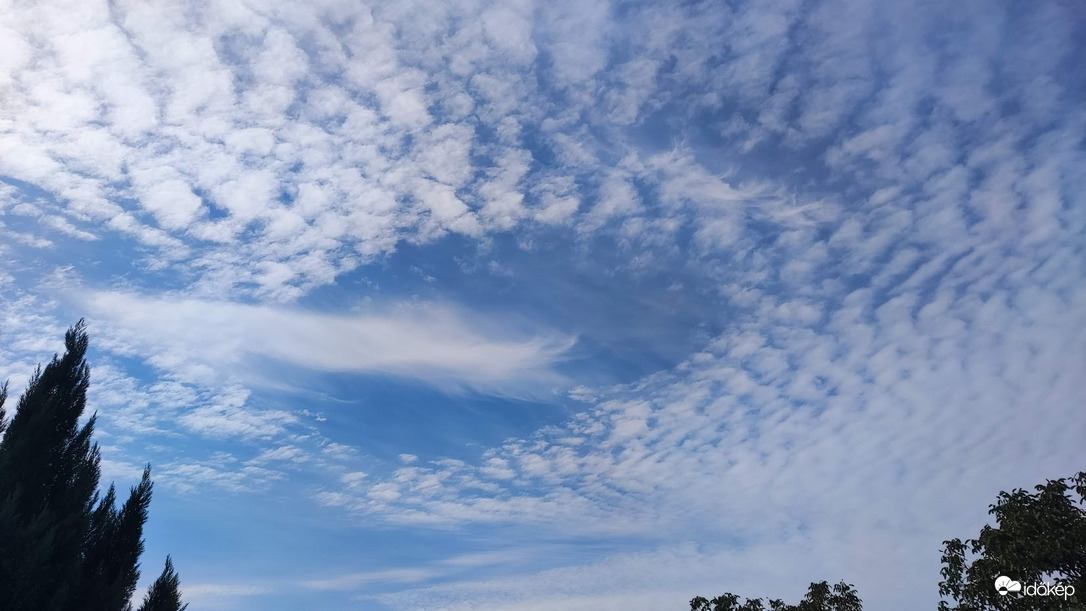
(560, 305)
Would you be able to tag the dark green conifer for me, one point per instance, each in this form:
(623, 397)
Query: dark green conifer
(60, 548)
(164, 594)
(3, 414)
(48, 484)
(113, 548)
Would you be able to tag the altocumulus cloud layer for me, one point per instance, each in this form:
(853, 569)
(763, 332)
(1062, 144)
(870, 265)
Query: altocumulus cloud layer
(372, 258)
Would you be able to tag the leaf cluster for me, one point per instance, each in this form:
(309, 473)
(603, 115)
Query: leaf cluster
(1038, 537)
(820, 597)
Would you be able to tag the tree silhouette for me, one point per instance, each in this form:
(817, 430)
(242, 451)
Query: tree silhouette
(164, 594)
(820, 597)
(62, 548)
(1039, 537)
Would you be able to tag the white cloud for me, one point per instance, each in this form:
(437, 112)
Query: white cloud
(557, 209)
(219, 595)
(319, 143)
(662, 578)
(210, 341)
(201, 591)
(911, 282)
(220, 473)
(62, 225)
(791, 441)
(354, 581)
(283, 453)
(221, 421)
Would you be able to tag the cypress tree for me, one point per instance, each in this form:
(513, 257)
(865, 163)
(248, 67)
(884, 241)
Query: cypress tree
(164, 594)
(114, 545)
(98, 552)
(3, 414)
(60, 548)
(48, 483)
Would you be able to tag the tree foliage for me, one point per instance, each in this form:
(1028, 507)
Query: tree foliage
(820, 596)
(1039, 537)
(164, 594)
(61, 546)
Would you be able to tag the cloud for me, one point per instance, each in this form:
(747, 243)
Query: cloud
(355, 580)
(443, 568)
(271, 162)
(236, 420)
(282, 453)
(886, 218)
(219, 473)
(666, 577)
(220, 595)
(887, 422)
(199, 340)
(215, 590)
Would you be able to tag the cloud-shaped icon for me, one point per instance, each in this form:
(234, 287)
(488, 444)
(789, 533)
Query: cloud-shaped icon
(1005, 584)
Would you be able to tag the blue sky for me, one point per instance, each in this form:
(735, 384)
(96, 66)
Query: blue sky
(563, 305)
